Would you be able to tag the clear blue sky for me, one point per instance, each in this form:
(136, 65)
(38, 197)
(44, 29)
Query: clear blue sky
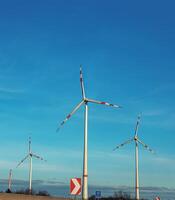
(127, 52)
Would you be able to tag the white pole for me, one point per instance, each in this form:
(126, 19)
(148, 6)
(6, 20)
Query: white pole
(30, 175)
(137, 171)
(85, 161)
(10, 180)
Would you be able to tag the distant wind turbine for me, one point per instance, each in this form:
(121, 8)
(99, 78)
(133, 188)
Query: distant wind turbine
(85, 101)
(136, 140)
(30, 155)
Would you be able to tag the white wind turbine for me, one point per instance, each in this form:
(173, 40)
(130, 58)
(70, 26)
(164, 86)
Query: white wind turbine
(30, 155)
(136, 140)
(85, 101)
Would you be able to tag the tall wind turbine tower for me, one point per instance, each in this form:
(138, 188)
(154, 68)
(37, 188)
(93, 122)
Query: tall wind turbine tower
(136, 141)
(85, 102)
(30, 155)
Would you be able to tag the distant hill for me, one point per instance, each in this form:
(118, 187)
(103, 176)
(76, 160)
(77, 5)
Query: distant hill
(4, 196)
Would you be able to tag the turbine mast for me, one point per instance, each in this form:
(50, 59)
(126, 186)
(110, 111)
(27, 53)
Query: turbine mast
(30, 167)
(10, 180)
(30, 175)
(137, 171)
(85, 166)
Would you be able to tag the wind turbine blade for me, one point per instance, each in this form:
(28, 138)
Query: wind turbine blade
(22, 160)
(146, 146)
(29, 145)
(69, 115)
(124, 143)
(82, 83)
(103, 103)
(137, 125)
(38, 157)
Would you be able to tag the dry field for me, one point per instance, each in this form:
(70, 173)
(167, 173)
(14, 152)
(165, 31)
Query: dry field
(5, 196)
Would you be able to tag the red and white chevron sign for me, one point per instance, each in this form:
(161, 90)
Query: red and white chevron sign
(75, 186)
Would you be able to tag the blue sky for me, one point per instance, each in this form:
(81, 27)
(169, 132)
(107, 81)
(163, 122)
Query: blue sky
(127, 52)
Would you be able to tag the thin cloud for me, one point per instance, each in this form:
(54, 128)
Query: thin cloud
(154, 92)
(7, 164)
(46, 168)
(154, 113)
(11, 91)
(166, 121)
(165, 161)
(109, 155)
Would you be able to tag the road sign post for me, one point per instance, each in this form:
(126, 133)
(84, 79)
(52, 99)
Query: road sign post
(97, 194)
